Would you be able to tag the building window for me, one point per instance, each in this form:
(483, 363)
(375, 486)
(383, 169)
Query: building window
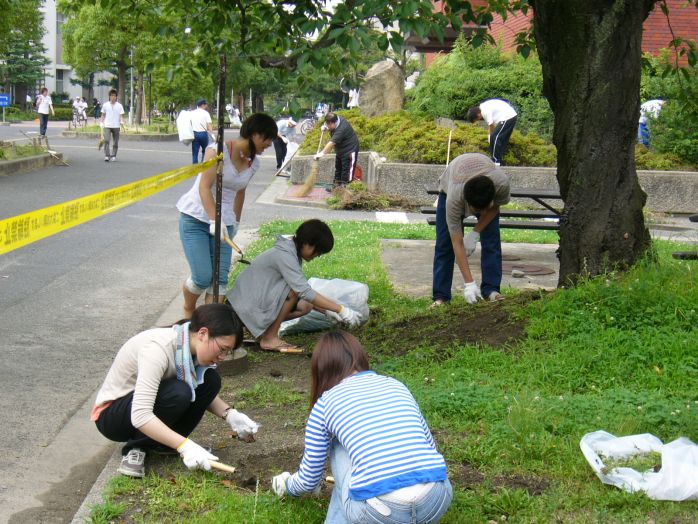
(59, 81)
(59, 38)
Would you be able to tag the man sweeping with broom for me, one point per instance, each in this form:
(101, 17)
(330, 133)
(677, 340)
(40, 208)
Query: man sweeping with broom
(346, 145)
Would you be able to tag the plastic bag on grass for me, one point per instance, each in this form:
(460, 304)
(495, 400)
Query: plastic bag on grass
(346, 292)
(676, 480)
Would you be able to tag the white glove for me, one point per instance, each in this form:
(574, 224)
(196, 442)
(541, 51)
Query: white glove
(471, 292)
(194, 456)
(470, 242)
(346, 316)
(284, 139)
(212, 229)
(278, 484)
(319, 155)
(324, 127)
(241, 424)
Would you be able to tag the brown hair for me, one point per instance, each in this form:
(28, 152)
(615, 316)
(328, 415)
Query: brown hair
(337, 355)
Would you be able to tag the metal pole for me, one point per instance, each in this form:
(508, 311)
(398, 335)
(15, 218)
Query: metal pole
(219, 179)
(130, 104)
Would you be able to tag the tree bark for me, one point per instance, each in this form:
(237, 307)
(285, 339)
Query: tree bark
(590, 51)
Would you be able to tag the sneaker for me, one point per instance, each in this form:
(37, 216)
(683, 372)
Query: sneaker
(112, 159)
(106, 159)
(437, 303)
(495, 296)
(133, 464)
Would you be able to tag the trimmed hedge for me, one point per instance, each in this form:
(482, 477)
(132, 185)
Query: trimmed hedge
(406, 137)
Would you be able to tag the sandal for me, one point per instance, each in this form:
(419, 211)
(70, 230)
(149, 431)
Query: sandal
(437, 303)
(284, 347)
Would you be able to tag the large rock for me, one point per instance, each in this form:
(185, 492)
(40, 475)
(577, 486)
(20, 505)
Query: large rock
(383, 89)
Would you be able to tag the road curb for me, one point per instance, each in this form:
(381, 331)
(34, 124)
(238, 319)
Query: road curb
(27, 164)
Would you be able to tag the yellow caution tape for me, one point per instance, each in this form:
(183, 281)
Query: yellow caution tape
(21, 230)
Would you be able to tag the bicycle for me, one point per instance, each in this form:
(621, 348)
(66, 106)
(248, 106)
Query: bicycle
(79, 118)
(307, 124)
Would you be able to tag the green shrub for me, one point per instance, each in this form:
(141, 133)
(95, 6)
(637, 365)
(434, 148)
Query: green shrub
(62, 114)
(467, 76)
(415, 138)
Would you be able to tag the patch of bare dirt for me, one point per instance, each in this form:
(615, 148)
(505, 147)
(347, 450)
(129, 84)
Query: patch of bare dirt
(466, 476)
(490, 323)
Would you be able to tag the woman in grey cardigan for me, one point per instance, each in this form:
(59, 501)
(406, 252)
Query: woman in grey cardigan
(274, 288)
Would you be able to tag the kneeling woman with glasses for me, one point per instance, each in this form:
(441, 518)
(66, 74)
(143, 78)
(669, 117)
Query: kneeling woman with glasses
(161, 383)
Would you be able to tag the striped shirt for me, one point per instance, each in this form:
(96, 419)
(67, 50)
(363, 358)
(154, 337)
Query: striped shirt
(376, 419)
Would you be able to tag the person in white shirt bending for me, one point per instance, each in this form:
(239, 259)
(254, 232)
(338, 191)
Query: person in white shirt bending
(500, 117)
(201, 125)
(112, 119)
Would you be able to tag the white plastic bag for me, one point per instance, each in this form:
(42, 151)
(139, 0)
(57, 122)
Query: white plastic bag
(184, 127)
(676, 480)
(346, 292)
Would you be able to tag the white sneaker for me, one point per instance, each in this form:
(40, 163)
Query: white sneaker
(112, 159)
(495, 296)
(106, 159)
(133, 464)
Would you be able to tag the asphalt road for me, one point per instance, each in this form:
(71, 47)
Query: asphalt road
(69, 301)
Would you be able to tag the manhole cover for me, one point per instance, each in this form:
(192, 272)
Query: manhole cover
(510, 258)
(528, 269)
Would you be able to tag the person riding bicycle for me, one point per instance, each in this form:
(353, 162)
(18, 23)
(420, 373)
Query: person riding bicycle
(79, 113)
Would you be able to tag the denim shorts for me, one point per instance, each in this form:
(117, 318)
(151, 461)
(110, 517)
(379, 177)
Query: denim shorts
(199, 247)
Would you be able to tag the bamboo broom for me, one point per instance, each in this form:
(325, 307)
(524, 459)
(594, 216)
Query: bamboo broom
(309, 182)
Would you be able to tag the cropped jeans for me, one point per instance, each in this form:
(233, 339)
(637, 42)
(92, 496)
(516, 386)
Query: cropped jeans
(199, 248)
(343, 510)
(444, 258)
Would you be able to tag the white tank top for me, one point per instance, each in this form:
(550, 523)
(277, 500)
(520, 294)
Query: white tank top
(190, 203)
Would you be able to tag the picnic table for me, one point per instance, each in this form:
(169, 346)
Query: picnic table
(687, 255)
(538, 219)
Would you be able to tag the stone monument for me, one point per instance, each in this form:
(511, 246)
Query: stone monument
(383, 89)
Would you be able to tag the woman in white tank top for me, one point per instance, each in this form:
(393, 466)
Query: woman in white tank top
(198, 207)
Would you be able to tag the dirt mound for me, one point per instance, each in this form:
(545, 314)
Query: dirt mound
(490, 323)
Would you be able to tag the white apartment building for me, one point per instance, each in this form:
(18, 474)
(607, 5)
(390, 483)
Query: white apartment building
(57, 74)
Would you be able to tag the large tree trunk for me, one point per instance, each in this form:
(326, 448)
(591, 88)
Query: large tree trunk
(590, 51)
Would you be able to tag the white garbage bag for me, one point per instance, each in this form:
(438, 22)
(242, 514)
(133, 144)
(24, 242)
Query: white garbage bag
(676, 480)
(346, 292)
(184, 127)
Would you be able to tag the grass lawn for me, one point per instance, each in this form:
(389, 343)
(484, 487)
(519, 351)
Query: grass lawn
(618, 353)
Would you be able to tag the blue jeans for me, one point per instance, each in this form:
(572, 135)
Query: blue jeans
(643, 135)
(200, 142)
(199, 247)
(43, 123)
(490, 257)
(343, 510)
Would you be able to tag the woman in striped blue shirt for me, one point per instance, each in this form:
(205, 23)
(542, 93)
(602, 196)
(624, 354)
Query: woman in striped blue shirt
(383, 457)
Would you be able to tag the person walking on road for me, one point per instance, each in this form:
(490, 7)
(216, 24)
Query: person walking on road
(287, 128)
(112, 119)
(383, 457)
(274, 288)
(160, 384)
(44, 104)
(500, 117)
(202, 127)
(197, 207)
(471, 185)
(346, 143)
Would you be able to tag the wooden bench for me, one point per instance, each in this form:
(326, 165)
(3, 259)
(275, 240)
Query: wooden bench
(687, 255)
(538, 195)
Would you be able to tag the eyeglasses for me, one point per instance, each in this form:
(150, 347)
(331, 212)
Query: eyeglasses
(222, 350)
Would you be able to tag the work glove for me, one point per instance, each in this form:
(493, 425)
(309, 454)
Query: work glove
(212, 229)
(244, 426)
(284, 139)
(319, 155)
(471, 292)
(470, 242)
(324, 127)
(346, 316)
(278, 484)
(194, 456)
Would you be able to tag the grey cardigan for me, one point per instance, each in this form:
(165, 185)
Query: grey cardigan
(260, 290)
